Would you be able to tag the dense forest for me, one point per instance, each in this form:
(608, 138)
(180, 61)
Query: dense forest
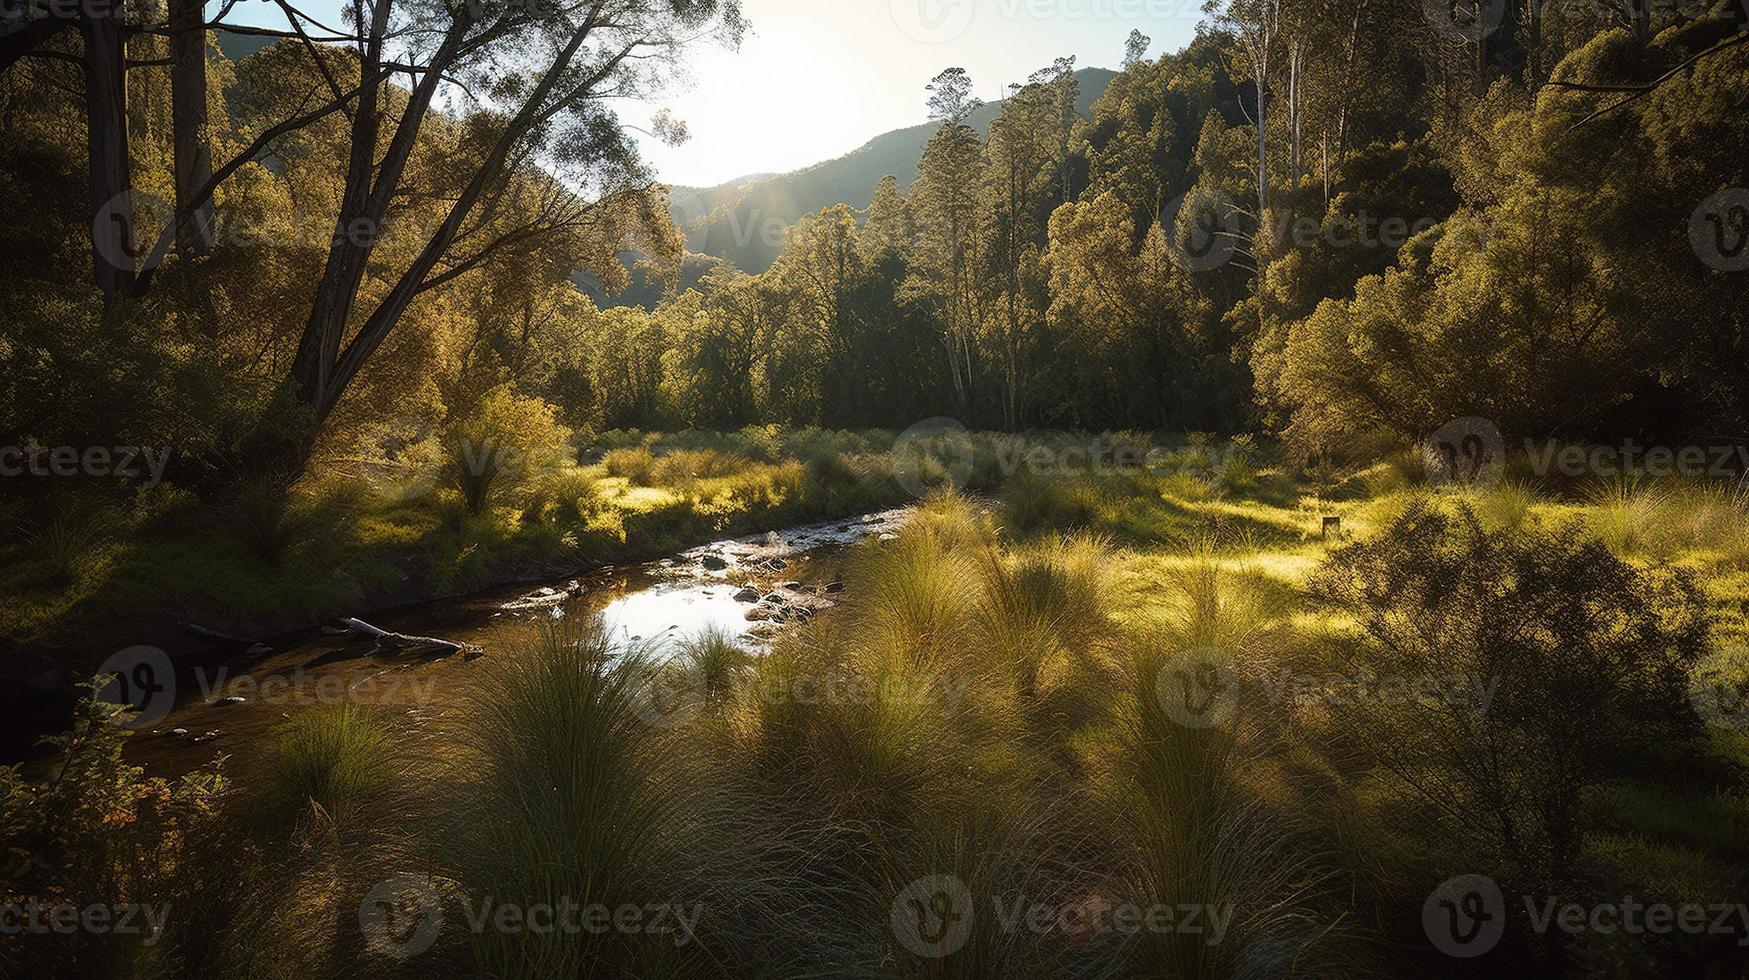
(1278, 372)
(1409, 228)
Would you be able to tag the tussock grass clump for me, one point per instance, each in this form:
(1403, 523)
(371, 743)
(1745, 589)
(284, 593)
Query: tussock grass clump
(1031, 503)
(70, 542)
(680, 467)
(572, 787)
(1194, 829)
(575, 495)
(271, 521)
(339, 763)
(919, 591)
(1507, 507)
(1627, 515)
(716, 659)
(1042, 606)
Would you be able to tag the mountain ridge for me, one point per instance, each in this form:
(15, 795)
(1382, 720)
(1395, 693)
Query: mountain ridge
(742, 221)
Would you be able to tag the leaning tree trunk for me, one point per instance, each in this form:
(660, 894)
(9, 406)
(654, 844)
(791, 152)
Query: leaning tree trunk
(106, 145)
(188, 95)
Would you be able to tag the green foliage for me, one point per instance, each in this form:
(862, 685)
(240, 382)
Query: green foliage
(565, 791)
(93, 829)
(507, 442)
(1588, 658)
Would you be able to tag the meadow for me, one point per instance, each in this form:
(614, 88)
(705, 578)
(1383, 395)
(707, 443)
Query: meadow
(1162, 719)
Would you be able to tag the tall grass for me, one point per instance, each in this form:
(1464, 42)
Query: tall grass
(918, 592)
(1627, 515)
(1031, 503)
(1194, 829)
(716, 659)
(339, 762)
(1507, 506)
(272, 522)
(567, 791)
(1042, 604)
(71, 541)
(635, 464)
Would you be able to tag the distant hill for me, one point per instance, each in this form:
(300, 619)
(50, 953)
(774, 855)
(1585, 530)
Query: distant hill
(742, 220)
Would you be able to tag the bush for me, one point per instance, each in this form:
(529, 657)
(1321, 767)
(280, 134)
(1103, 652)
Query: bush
(94, 829)
(1591, 657)
(503, 444)
(634, 463)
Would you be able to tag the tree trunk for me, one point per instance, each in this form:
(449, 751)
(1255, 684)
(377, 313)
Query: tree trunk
(1295, 55)
(106, 144)
(188, 95)
(1324, 139)
(1262, 149)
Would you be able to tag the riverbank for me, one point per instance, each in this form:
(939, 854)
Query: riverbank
(97, 575)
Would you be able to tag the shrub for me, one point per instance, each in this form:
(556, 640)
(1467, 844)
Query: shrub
(501, 445)
(633, 463)
(94, 829)
(1591, 657)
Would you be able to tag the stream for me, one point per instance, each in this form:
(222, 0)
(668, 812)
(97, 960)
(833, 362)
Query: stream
(747, 587)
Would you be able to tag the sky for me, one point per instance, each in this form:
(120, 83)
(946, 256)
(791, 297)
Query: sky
(815, 79)
(818, 78)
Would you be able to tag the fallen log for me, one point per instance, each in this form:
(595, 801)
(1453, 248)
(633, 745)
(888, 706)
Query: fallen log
(404, 640)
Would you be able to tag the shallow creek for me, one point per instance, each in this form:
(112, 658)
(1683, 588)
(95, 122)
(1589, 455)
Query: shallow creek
(744, 586)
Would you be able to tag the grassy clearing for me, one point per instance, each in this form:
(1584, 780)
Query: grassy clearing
(1022, 711)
